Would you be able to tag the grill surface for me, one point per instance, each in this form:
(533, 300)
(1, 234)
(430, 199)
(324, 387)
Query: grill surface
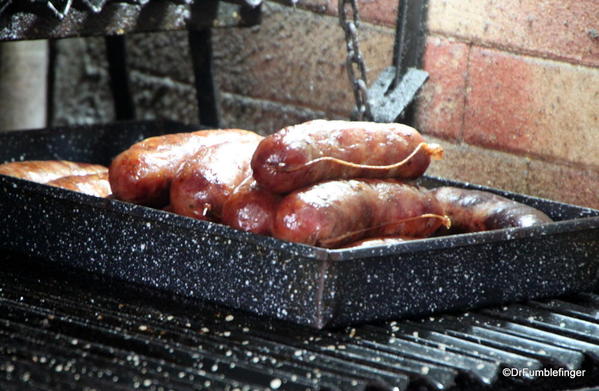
(65, 330)
(27, 19)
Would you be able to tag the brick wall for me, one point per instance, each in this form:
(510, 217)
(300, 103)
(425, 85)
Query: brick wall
(513, 93)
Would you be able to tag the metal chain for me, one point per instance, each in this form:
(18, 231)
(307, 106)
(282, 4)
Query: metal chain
(354, 61)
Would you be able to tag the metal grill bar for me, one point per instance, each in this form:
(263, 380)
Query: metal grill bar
(60, 333)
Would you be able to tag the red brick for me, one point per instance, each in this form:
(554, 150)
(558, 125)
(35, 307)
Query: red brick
(532, 106)
(505, 171)
(553, 29)
(440, 109)
(563, 183)
(481, 166)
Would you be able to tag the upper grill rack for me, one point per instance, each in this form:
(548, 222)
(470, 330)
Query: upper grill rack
(47, 19)
(70, 336)
(60, 8)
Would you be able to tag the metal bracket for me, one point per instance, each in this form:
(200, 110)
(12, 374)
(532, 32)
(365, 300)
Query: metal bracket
(397, 86)
(387, 102)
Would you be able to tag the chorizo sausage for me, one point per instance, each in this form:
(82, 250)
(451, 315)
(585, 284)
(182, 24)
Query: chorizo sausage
(44, 171)
(331, 214)
(320, 150)
(143, 173)
(251, 208)
(474, 210)
(203, 183)
(92, 184)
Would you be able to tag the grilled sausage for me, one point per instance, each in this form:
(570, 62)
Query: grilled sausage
(474, 210)
(203, 184)
(319, 150)
(44, 171)
(331, 214)
(92, 184)
(143, 173)
(251, 208)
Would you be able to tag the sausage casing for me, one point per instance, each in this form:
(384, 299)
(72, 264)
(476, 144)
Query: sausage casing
(143, 173)
(331, 214)
(320, 150)
(44, 171)
(204, 183)
(92, 184)
(474, 210)
(251, 208)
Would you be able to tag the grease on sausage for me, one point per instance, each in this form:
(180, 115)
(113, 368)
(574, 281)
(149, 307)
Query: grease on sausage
(92, 184)
(331, 214)
(44, 171)
(381, 241)
(143, 173)
(320, 150)
(204, 183)
(251, 208)
(474, 210)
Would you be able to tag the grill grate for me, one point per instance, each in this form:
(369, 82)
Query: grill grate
(60, 8)
(65, 330)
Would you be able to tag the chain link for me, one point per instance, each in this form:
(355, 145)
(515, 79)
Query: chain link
(354, 62)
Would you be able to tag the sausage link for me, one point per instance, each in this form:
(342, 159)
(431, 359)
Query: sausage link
(143, 173)
(203, 183)
(474, 210)
(331, 214)
(92, 184)
(44, 171)
(319, 150)
(251, 208)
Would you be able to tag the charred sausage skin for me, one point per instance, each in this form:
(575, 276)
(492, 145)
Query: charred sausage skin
(475, 210)
(204, 183)
(331, 214)
(92, 184)
(319, 150)
(143, 173)
(251, 208)
(44, 171)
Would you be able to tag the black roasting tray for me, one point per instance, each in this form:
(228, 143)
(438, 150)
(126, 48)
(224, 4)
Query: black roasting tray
(299, 283)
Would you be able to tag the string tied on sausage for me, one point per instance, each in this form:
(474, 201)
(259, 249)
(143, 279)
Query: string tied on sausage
(435, 151)
(445, 221)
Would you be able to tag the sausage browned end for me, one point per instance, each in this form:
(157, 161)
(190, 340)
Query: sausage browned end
(143, 173)
(44, 171)
(204, 183)
(331, 214)
(474, 210)
(92, 184)
(320, 150)
(251, 208)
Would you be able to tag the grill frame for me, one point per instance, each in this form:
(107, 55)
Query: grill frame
(302, 284)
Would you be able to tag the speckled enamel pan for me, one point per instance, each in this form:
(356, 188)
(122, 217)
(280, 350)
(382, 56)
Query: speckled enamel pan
(302, 284)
